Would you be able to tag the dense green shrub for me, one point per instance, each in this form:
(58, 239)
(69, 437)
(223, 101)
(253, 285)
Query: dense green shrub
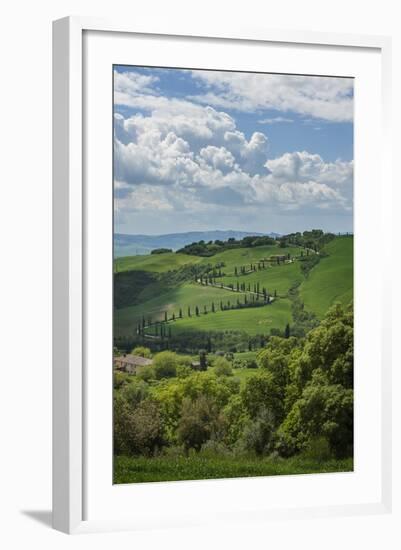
(298, 402)
(222, 367)
(165, 364)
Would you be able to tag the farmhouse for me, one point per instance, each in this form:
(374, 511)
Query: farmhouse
(131, 363)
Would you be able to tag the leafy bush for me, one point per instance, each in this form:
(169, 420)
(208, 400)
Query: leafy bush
(200, 420)
(142, 352)
(137, 430)
(135, 392)
(165, 364)
(119, 379)
(222, 367)
(146, 373)
(259, 435)
(322, 411)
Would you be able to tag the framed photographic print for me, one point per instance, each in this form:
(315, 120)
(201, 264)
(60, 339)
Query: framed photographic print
(220, 326)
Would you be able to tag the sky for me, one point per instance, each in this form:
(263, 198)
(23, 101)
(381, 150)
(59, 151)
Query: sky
(198, 150)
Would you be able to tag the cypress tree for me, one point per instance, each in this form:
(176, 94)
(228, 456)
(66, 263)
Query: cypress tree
(287, 331)
(202, 360)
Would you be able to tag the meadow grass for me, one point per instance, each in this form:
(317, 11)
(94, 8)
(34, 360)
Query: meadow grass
(237, 257)
(331, 280)
(184, 296)
(277, 277)
(156, 263)
(199, 466)
(256, 320)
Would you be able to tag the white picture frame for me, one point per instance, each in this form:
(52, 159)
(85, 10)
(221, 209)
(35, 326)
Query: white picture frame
(70, 257)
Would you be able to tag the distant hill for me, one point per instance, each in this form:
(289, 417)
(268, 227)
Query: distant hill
(132, 245)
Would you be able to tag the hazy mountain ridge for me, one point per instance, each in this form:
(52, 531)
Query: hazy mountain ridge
(131, 245)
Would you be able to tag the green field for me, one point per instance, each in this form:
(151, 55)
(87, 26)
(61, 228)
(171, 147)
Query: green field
(332, 279)
(151, 294)
(157, 263)
(252, 320)
(144, 469)
(184, 296)
(245, 256)
(277, 277)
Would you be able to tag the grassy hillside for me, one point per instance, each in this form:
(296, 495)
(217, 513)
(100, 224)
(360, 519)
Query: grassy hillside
(332, 279)
(277, 277)
(157, 263)
(253, 320)
(156, 301)
(244, 256)
(146, 289)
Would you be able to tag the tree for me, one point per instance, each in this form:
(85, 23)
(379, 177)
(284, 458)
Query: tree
(146, 373)
(135, 392)
(202, 360)
(322, 411)
(165, 364)
(199, 421)
(142, 351)
(213, 308)
(287, 331)
(222, 367)
(139, 430)
(165, 316)
(189, 311)
(259, 435)
(261, 391)
(197, 311)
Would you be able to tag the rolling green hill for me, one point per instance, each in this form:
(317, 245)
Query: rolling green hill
(184, 296)
(332, 279)
(253, 320)
(148, 287)
(157, 263)
(277, 277)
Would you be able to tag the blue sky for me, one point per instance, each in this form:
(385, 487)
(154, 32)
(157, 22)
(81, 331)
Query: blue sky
(200, 150)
